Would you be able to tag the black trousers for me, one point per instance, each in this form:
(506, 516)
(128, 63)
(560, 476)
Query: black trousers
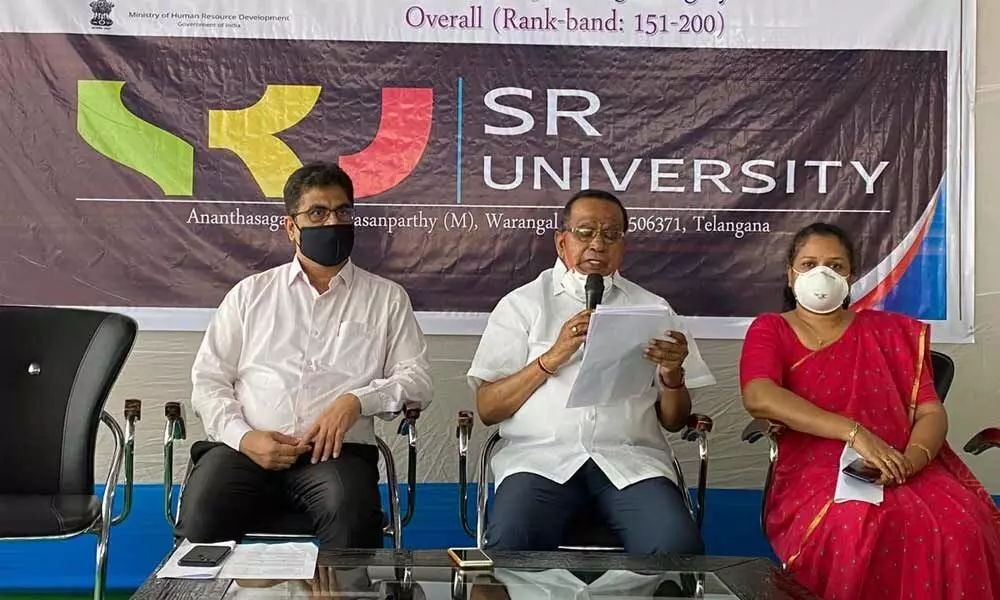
(532, 513)
(227, 495)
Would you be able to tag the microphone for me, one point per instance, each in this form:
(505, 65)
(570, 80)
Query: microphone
(594, 290)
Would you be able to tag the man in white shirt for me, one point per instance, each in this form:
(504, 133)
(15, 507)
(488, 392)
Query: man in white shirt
(294, 366)
(557, 461)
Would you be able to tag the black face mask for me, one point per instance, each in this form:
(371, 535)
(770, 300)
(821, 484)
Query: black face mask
(328, 245)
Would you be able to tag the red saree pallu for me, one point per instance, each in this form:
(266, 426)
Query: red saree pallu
(935, 537)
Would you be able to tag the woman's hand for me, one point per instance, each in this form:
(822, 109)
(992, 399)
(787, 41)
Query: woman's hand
(916, 459)
(894, 466)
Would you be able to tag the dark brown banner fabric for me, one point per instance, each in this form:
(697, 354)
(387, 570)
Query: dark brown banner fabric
(147, 172)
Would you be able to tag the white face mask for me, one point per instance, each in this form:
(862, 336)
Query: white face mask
(820, 290)
(574, 283)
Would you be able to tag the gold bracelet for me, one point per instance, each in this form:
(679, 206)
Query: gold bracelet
(853, 434)
(925, 449)
(542, 366)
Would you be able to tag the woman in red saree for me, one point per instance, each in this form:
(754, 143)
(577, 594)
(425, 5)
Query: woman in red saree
(830, 378)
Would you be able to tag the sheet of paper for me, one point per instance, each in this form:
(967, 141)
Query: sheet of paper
(614, 368)
(171, 570)
(284, 590)
(292, 560)
(353, 583)
(849, 488)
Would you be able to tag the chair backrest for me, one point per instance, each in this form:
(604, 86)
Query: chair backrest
(57, 367)
(944, 373)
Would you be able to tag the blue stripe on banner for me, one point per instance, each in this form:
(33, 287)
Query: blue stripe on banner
(137, 545)
(923, 290)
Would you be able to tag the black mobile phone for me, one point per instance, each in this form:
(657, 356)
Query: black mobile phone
(205, 556)
(858, 469)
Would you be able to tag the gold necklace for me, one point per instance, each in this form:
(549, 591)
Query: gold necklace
(819, 341)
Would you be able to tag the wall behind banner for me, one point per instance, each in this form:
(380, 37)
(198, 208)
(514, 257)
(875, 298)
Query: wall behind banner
(158, 371)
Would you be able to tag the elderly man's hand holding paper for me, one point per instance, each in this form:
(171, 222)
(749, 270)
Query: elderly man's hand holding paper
(669, 355)
(623, 352)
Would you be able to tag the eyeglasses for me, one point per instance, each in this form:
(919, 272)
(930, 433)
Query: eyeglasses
(587, 234)
(317, 215)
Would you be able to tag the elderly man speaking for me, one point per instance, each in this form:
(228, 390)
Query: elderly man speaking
(559, 460)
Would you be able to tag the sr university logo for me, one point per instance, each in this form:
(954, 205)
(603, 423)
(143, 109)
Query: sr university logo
(111, 129)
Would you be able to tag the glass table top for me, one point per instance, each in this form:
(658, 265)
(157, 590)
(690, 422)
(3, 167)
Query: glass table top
(444, 583)
(430, 575)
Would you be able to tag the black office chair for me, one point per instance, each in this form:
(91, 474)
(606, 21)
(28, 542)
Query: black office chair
(293, 523)
(56, 372)
(588, 531)
(943, 371)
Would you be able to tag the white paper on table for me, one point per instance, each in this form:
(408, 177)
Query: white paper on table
(346, 583)
(849, 488)
(284, 590)
(172, 570)
(614, 367)
(291, 560)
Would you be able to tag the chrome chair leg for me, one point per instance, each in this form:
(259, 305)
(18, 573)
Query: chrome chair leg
(174, 430)
(107, 501)
(101, 571)
(395, 527)
(754, 431)
(483, 487)
(702, 478)
(133, 414)
(697, 430)
(682, 486)
(463, 432)
(772, 455)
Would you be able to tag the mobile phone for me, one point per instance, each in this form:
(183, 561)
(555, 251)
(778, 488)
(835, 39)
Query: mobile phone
(858, 469)
(205, 556)
(470, 558)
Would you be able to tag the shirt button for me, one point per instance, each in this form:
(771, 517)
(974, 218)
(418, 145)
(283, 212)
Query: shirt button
(316, 332)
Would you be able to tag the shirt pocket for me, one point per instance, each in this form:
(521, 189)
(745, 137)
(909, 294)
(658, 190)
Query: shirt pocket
(357, 351)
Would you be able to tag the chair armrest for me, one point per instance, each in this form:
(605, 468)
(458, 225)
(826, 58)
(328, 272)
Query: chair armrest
(133, 414)
(408, 427)
(114, 469)
(133, 410)
(757, 429)
(175, 429)
(698, 426)
(463, 431)
(983, 441)
(697, 429)
(483, 485)
(408, 423)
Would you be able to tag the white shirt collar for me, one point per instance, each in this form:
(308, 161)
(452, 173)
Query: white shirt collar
(346, 274)
(558, 272)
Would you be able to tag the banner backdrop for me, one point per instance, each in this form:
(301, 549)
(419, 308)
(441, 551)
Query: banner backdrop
(144, 146)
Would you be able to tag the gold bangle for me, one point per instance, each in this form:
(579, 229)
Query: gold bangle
(925, 449)
(542, 366)
(853, 434)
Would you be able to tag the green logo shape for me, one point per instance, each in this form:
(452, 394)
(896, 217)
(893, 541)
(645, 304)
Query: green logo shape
(110, 128)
